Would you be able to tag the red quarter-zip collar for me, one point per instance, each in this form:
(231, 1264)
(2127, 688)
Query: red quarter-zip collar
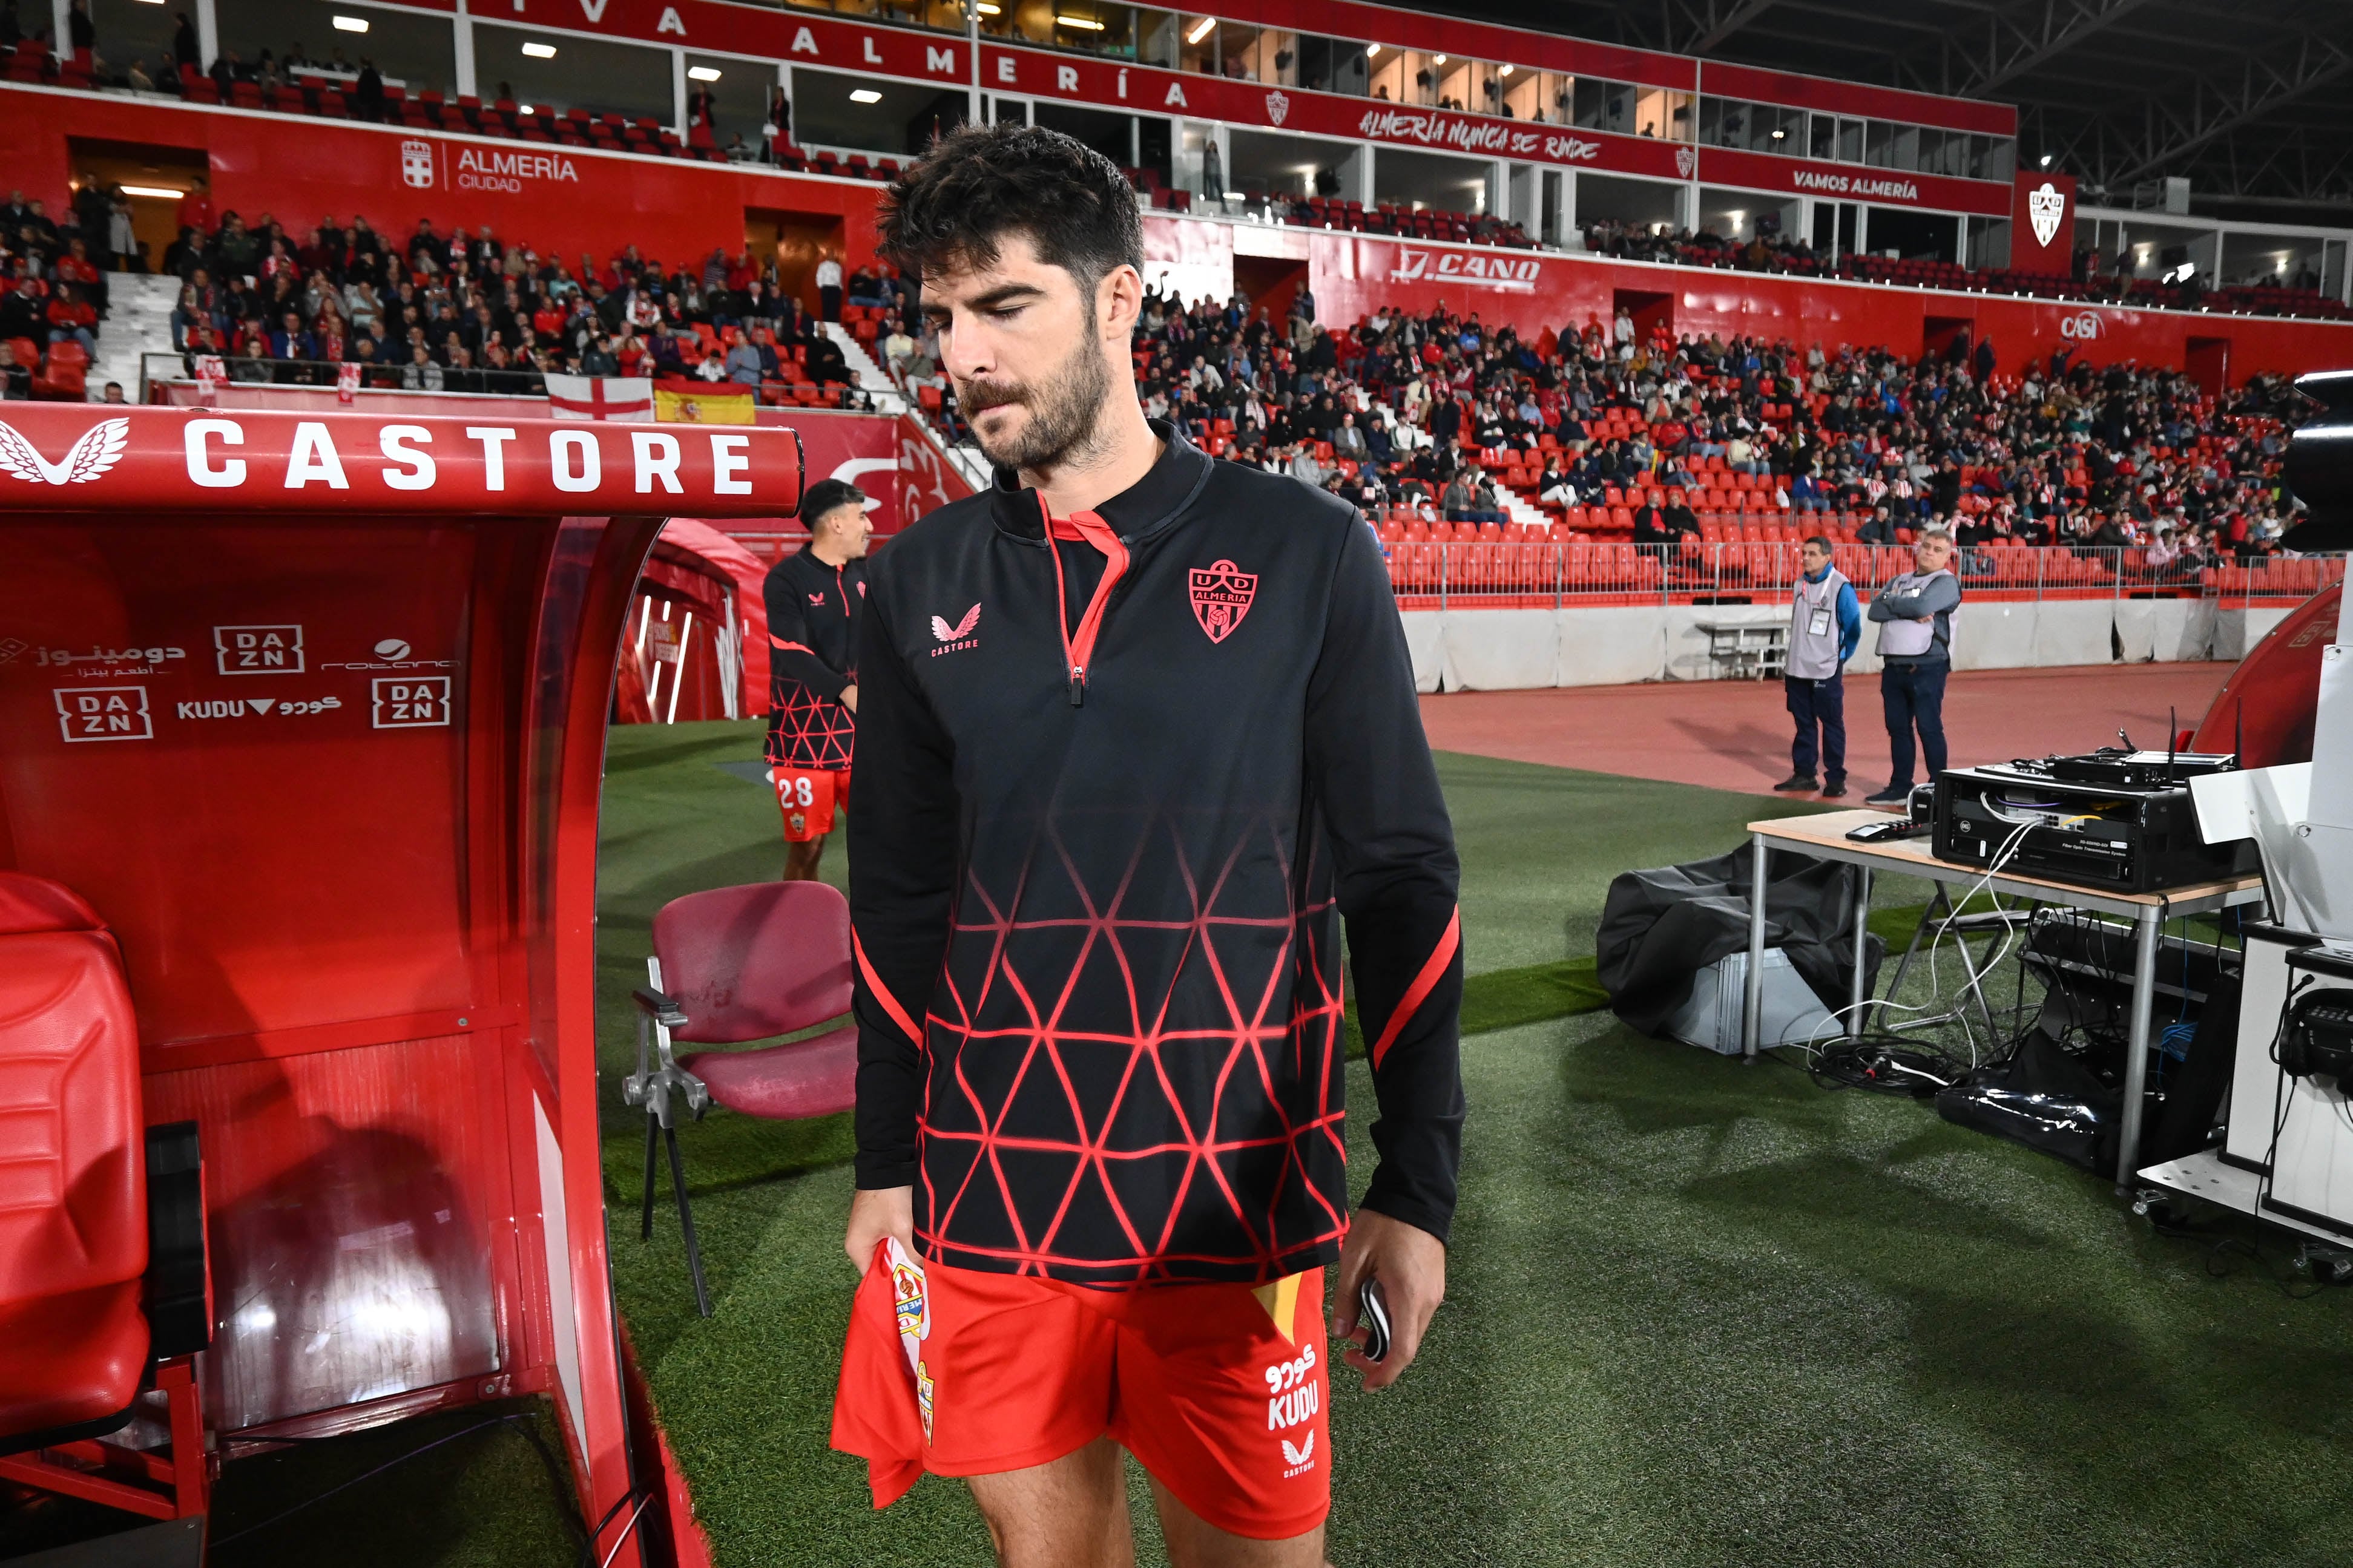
(1078, 651)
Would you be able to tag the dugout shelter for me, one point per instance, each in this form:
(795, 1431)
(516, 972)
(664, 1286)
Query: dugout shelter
(309, 711)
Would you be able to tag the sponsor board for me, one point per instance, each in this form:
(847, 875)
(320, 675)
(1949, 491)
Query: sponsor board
(104, 713)
(1511, 274)
(1465, 133)
(259, 650)
(409, 701)
(255, 707)
(391, 653)
(100, 663)
(1856, 187)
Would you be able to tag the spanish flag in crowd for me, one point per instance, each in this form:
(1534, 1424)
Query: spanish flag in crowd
(680, 401)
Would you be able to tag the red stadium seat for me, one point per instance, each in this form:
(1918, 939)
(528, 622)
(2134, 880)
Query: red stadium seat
(65, 378)
(92, 1295)
(73, 1233)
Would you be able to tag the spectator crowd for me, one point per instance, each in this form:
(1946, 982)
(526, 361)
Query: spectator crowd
(467, 311)
(1436, 413)
(1428, 412)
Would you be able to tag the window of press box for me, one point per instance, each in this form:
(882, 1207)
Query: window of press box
(566, 72)
(739, 94)
(1093, 28)
(1019, 21)
(1454, 80)
(1541, 97)
(1661, 114)
(898, 123)
(412, 50)
(944, 16)
(1605, 105)
(1402, 76)
(1268, 55)
(1903, 148)
(133, 32)
(1334, 64)
(1108, 132)
(1750, 127)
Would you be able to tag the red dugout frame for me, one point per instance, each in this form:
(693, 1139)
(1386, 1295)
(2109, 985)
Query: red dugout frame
(313, 710)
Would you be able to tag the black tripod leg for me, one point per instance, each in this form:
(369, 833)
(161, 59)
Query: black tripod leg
(686, 1221)
(645, 1220)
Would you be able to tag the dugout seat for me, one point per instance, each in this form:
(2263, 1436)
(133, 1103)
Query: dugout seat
(730, 965)
(104, 1296)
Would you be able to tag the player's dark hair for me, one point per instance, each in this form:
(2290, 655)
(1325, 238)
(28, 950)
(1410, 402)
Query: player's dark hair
(954, 205)
(1818, 539)
(825, 495)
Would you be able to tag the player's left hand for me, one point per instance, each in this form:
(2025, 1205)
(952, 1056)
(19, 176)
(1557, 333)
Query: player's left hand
(1410, 1264)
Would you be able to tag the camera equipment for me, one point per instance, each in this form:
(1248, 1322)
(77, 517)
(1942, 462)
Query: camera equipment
(2118, 818)
(2318, 1040)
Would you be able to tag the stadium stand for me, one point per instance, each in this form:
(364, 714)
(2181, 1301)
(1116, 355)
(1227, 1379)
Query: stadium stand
(1695, 467)
(1686, 465)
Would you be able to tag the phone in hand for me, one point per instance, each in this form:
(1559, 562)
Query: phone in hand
(1373, 1314)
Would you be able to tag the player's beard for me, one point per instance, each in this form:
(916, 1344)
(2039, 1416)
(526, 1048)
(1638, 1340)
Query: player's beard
(1063, 412)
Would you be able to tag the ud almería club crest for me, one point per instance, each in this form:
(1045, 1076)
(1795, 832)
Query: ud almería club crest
(1221, 597)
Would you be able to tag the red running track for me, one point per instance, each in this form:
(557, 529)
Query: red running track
(1734, 735)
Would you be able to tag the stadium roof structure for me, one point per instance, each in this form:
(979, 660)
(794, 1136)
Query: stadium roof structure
(2246, 98)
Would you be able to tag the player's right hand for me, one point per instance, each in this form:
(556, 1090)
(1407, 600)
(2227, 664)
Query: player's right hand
(850, 698)
(875, 1213)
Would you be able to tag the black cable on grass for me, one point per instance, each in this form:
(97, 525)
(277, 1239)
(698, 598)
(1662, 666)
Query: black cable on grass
(1886, 1064)
(2220, 1253)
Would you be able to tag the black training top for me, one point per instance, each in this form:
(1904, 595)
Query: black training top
(812, 657)
(1099, 870)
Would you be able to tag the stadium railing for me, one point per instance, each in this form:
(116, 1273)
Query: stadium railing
(1534, 574)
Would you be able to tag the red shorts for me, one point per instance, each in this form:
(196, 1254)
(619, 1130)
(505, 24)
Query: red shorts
(807, 798)
(1218, 1390)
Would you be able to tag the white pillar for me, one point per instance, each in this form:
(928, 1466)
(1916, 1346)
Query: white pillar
(61, 27)
(972, 42)
(1567, 207)
(677, 92)
(1862, 228)
(1364, 176)
(207, 32)
(465, 39)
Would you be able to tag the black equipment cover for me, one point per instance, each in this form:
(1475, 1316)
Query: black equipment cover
(2045, 1099)
(1662, 926)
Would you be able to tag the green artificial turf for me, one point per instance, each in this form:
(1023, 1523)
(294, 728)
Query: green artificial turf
(1699, 1313)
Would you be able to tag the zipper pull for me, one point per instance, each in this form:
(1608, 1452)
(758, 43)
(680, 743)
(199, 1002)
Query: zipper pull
(1078, 686)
